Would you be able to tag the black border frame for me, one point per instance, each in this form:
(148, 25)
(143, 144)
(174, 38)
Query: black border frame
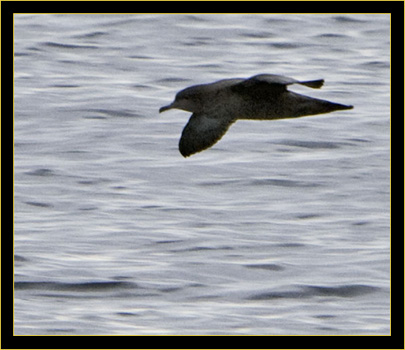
(395, 8)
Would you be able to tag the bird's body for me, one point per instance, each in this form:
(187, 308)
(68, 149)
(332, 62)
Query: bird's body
(218, 105)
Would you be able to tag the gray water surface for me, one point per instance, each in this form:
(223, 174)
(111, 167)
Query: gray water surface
(282, 227)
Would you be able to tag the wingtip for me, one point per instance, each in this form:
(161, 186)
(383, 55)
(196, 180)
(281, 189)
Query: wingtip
(185, 155)
(184, 151)
(314, 84)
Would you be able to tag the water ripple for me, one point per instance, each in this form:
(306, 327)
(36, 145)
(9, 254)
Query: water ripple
(345, 291)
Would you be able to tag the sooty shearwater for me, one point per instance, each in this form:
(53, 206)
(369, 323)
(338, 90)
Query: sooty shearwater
(218, 105)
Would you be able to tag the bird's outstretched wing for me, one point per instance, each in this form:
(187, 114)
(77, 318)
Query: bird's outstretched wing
(202, 131)
(275, 83)
(279, 79)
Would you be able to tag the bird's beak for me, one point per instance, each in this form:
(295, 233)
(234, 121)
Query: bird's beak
(165, 108)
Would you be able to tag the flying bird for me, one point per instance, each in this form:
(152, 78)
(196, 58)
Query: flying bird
(218, 105)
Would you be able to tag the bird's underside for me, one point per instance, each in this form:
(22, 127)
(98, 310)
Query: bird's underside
(218, 105)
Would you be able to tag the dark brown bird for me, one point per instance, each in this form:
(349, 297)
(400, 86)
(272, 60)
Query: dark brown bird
(218, 105)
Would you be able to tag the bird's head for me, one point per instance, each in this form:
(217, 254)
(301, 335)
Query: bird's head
(188, 100)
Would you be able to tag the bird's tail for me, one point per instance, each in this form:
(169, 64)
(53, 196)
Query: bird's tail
(300, 106)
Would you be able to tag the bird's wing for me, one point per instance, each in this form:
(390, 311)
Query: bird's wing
(276, 82)
(202, 131)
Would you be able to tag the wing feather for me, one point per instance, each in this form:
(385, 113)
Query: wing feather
(201, 132)
(277, 82)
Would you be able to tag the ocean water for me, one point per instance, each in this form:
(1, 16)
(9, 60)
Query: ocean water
(282, 227)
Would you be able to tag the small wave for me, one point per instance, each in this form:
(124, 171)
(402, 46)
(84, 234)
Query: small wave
(290, 245)
(282, 183)
(286, 45)
(345, 291)
(77, 287)
(256, 35)
(307, 216)
(200, 249)
(277, 295)
(140, 57)
(341, 291)
(39, 204)
(41, 172)
(311, 144)
(110, 113)
(19, 258)
(172, 80)
(347, 19)
(68, 46)
(91, 35)
(65, 86)
(374, 64)
(332, 36)
(270, 267)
